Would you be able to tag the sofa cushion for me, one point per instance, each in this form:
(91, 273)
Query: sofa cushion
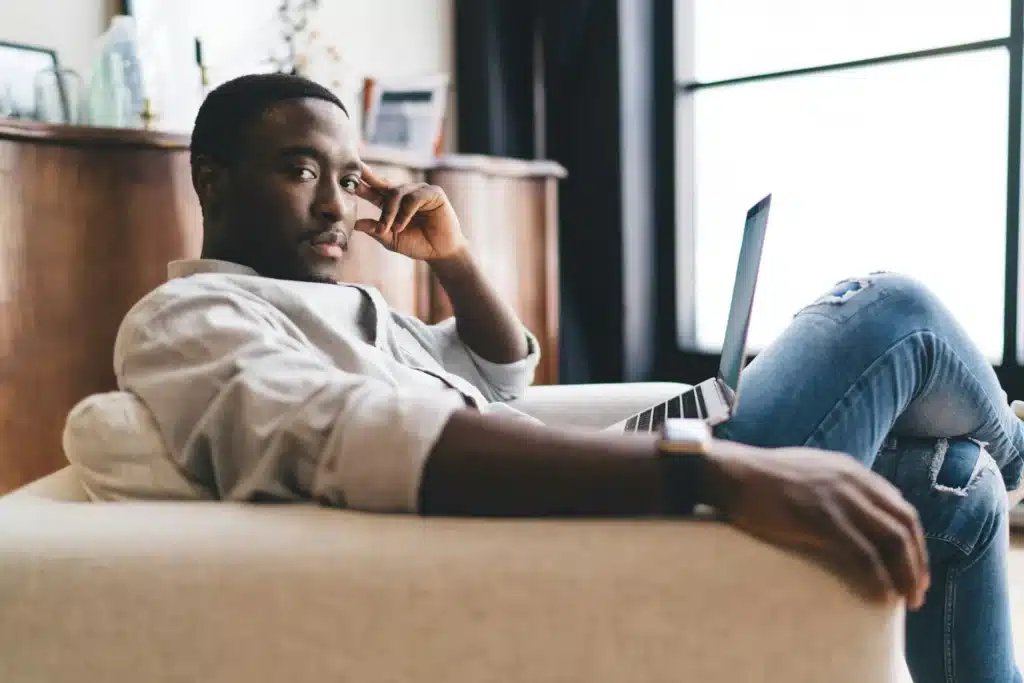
(115, 448)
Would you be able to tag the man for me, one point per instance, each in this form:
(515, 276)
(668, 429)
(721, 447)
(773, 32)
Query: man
(270, 381)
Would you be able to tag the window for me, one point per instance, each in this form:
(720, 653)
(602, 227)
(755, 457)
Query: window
(880, 126)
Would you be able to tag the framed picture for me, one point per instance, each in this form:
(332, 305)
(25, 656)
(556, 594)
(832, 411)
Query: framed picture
(406, 114)
(19, 65)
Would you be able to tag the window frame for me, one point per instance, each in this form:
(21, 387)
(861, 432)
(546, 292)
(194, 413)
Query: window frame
(677, 304)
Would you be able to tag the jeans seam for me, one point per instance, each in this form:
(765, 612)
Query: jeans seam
(947, 624)
(953, 541)
(952, 577)
(949, 608)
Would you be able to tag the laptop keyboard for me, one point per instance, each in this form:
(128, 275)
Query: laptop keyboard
(690, 404)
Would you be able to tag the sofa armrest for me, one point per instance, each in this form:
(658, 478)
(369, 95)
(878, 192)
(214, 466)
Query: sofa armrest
(63, 484)
(593, 405)
(222, 593)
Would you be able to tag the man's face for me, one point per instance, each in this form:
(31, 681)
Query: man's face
(289, 200)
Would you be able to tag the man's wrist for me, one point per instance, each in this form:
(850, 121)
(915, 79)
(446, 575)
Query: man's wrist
(454, 264)
(700, 478)
(718, 474)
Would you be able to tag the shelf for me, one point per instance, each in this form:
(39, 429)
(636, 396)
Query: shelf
(89, 136)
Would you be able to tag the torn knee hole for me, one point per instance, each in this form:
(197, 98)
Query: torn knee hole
(844, 291)
(956, 465)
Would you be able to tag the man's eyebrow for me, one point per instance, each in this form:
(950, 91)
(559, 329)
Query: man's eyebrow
(314, 153)
(300, 151)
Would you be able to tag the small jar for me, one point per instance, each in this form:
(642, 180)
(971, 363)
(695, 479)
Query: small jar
(58, 96)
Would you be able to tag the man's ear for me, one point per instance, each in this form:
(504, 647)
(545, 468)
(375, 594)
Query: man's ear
(209, 180)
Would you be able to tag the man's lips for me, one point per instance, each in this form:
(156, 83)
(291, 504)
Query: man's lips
(334, 251)
(329, 244)
(326, 237)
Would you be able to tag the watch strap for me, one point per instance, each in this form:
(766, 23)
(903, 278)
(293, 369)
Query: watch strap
(682, 448)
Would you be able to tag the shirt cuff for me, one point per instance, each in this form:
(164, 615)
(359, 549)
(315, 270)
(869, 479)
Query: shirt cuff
(509, 380)
(379, 448)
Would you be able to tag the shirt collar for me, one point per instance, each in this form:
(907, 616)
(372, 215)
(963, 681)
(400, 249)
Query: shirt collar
(186, 267)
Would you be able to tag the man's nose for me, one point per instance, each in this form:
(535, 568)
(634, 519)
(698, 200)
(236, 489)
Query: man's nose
(330, 201)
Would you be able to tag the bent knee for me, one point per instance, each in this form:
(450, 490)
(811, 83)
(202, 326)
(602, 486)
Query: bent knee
(905, 303)
(911, 296)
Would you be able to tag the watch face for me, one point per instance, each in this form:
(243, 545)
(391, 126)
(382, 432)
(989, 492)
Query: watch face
(686, 436)
(682, 448)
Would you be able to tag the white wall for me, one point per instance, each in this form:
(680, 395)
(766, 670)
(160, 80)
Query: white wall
(69, 26)
(375, 37)
(391, 37)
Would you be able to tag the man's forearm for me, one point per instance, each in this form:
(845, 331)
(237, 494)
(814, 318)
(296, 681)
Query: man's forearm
(491, 465)
(486, 324)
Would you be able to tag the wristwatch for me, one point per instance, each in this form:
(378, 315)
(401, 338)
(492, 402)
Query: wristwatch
(683, 447)
(682, 435)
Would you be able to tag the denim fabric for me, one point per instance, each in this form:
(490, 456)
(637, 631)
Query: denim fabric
(879, 369)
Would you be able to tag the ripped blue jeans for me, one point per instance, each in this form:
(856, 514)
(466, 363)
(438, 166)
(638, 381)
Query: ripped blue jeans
(879, 369)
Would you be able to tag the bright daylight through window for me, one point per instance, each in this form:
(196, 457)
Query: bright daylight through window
(885, 164)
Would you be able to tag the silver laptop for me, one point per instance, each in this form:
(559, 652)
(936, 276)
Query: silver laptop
(714, 400)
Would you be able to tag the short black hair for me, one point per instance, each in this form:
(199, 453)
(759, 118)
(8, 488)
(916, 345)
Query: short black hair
(232, 106)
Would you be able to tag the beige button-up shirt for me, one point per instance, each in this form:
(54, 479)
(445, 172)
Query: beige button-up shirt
(283, 390)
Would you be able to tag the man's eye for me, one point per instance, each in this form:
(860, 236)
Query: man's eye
(350, 183)
(304, 173)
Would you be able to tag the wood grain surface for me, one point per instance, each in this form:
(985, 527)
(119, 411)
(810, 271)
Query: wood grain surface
(84, 233)
(511, 223)
(89, 219)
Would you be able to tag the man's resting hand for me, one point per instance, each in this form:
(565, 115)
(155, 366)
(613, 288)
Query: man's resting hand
(828, 505)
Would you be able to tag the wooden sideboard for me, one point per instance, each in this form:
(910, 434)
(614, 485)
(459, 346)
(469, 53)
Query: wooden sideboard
(90, 217)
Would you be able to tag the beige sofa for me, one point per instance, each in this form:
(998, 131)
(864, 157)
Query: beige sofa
(218, 593)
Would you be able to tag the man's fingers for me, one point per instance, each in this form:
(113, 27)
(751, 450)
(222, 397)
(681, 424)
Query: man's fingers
(865, 566)
(411, 203)
(906, 515)
(369, 227)
(893, 541)
(375, 197)
(375, 182)
(373, 188)
(391, 207)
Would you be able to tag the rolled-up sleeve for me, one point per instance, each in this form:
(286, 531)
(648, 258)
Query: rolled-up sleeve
(245, 403)
(496, 381)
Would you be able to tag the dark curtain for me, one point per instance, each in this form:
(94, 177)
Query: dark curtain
(494, 74)
(569, 53)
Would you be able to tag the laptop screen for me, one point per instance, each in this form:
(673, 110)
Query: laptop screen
(734, 348)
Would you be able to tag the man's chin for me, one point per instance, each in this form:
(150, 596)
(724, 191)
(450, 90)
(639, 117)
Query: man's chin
(322, 271)
(302, 271)
(321, 264)
(322, 279)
